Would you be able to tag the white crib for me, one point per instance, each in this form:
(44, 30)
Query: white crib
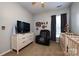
(69, 44)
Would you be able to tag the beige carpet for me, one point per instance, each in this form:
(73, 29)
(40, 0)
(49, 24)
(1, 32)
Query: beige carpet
(39, 50)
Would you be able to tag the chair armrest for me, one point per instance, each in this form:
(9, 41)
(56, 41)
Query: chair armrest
(38, 36)
(48, 37)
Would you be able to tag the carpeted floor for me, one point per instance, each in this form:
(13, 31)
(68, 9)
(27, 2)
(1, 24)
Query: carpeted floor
(39, 50)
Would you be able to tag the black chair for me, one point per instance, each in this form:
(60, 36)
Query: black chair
(43, 38)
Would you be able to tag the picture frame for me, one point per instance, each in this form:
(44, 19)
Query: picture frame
(3, 27)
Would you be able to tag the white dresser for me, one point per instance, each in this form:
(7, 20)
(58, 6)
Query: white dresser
(21, 40)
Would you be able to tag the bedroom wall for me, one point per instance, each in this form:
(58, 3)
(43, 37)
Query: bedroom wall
(9, 14)
(46, 16)
(75, 17)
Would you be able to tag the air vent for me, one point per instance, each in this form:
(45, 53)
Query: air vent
(59, 6)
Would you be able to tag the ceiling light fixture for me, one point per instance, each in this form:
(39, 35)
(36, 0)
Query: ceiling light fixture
(42, 4)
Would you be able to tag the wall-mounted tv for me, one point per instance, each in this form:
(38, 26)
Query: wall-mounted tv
(22, 27)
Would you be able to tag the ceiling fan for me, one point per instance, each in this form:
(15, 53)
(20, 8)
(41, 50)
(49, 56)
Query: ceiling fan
(42, 4)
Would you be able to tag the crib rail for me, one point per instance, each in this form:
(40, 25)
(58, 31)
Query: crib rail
(70, 44)
(73, 46)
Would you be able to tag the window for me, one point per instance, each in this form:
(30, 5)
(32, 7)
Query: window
(58, 25)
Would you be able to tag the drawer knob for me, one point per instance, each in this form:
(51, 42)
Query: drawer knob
(23, 38)
(24, 42)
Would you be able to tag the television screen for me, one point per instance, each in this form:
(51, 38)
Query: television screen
(22, 27)
(26, 27)
(19, 27)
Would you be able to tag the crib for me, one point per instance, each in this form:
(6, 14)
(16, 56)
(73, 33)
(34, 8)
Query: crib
(73, 45)
(69, 44)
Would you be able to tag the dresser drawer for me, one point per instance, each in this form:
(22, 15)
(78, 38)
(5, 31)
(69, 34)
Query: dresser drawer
(19, 40)
(24, 43)
(22, 37)
(21, 45)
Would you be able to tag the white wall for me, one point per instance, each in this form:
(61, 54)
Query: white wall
(75, 17)
(46, 16)
(9, 13)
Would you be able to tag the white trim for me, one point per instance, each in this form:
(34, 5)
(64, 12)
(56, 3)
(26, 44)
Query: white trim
(5, 52)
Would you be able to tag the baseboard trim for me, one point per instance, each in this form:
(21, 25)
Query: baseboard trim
(5, 52)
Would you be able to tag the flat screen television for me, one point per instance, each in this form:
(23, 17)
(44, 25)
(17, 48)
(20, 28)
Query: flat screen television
(26, 27)
(22, 27)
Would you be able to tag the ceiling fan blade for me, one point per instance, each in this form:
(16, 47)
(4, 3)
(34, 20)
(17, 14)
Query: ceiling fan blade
(33, 3)
(42, 4)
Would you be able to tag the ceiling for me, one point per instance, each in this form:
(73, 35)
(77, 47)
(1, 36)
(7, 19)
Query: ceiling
(35, 9)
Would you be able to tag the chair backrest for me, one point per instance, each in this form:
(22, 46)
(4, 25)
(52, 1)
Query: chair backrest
(45, 33)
